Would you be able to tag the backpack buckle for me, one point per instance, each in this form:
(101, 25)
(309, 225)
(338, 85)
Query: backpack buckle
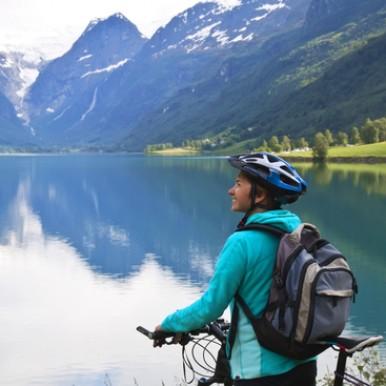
(279, 283)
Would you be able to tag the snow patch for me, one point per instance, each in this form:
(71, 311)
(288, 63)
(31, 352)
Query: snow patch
(226, 5)
(28, 76)
(50, 110)
(84, 57)
(92, 105)
(203, 33)
(110, 68)
(61, 114)
(271, 7)
(6, 62)
(184, 17)
(258, 18)
(241, 38)
(268, 9)
(221, 37)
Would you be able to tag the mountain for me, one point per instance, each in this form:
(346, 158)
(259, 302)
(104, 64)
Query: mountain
(67, 88)
(328, 15)
(349, 91)
(277, 88)
(207, 26)
(245, 71)
(188, 50)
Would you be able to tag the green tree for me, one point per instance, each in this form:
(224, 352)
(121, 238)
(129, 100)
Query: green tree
(320, 148)
(355, 137)
(342, 138)
(274, 144)
(302, 143)
(369, 132)
(380, 124)
(286, 143)
(329, 137)
(263, 146)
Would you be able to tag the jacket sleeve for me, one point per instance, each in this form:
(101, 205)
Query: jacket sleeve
(228, 275)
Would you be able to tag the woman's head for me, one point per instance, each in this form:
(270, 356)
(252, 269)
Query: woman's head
(247, 194)
(271, 181)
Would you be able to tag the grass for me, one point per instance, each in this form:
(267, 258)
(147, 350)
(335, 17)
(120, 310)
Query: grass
(373, 150)
(358, 151)
(175, 151)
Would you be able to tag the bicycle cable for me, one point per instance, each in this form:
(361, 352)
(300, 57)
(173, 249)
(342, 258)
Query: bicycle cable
(187, 362)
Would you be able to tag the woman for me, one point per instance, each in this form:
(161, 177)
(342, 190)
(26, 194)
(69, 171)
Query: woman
(245, 265)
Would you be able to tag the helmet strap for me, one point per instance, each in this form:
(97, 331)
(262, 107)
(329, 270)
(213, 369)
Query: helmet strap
(253, 206)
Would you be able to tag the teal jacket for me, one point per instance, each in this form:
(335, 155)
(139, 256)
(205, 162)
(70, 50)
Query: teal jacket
(245, 265)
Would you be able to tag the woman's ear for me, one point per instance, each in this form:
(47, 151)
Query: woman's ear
(261, 196)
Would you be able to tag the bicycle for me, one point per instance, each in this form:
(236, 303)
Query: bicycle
(346, 346)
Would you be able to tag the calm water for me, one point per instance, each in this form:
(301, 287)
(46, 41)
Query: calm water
(92, 246)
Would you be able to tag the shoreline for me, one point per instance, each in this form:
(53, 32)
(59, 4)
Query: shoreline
(362, 160)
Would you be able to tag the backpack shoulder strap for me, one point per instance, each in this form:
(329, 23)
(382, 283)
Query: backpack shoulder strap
(262, 227)
(239, 302)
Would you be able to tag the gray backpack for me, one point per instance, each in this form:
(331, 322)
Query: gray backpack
(310, 296)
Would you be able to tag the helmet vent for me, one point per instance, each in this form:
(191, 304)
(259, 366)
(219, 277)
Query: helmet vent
(286, 168)
(288, 181)
(272, 158)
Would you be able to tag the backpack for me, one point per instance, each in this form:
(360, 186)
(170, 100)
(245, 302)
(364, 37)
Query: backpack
(310, 296)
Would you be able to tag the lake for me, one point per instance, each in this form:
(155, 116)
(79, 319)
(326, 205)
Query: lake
(92, 246)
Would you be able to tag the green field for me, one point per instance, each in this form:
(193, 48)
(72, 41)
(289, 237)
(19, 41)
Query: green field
(377, 150)
(350, 152)
(175, 151)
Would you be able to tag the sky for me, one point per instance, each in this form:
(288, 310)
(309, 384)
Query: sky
(51, 26)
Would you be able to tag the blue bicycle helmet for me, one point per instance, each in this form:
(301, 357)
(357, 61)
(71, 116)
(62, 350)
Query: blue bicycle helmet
(273, 173)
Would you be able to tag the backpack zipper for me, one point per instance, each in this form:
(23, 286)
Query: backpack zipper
(331, 259)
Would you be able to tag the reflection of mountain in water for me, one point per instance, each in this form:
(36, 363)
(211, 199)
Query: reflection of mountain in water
(66, 322)
(116, 209)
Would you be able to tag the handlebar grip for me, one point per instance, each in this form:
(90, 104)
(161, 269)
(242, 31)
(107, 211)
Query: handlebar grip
(145, 332)
(155, 334)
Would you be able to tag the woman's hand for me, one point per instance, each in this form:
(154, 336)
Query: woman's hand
(159, 342)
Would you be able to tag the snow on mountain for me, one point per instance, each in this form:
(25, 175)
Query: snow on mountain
(18, 71)
(226, 5)
(216, 25)
(109, 68)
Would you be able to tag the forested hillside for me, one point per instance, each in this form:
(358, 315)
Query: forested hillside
(293, 84)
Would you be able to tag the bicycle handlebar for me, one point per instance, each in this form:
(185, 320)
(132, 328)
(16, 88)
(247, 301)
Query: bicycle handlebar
(346, 346)
(216, 328)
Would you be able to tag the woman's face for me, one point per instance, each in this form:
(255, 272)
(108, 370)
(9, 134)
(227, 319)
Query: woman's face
(240, 193)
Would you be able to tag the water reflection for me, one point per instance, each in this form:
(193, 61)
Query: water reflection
(92, 246)
(64, 321)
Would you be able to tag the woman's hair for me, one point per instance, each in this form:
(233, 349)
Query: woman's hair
(258, 190)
